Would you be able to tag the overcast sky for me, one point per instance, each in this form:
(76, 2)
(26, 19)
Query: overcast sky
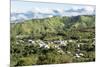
(23, 6)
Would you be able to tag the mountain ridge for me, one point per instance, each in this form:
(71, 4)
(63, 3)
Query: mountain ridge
(38, 14)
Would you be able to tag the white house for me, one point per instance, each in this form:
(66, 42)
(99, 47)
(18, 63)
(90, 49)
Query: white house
(63, 43)
(77, 55)
(68, 52)
(78, 45)
(81, 54)
(46, 46)
(31, 41)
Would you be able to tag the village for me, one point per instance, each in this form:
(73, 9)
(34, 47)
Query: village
(57, 44)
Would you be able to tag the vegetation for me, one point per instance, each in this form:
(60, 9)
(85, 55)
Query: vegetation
(53, 40)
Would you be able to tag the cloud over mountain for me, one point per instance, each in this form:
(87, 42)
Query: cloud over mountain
(37, 13)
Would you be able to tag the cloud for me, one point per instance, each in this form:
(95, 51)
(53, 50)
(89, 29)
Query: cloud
(50, 12)
(46, 11)
(89, 9)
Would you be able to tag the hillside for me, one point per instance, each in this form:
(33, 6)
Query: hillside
(53, 40)
(54, 25)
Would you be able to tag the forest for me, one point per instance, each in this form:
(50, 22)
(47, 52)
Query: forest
(53, 40)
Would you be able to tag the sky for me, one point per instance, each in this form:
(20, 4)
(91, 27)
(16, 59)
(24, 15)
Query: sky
(23, 6)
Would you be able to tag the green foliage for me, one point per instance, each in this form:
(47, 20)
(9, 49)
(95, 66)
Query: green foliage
(30, 60)
(78, 30)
